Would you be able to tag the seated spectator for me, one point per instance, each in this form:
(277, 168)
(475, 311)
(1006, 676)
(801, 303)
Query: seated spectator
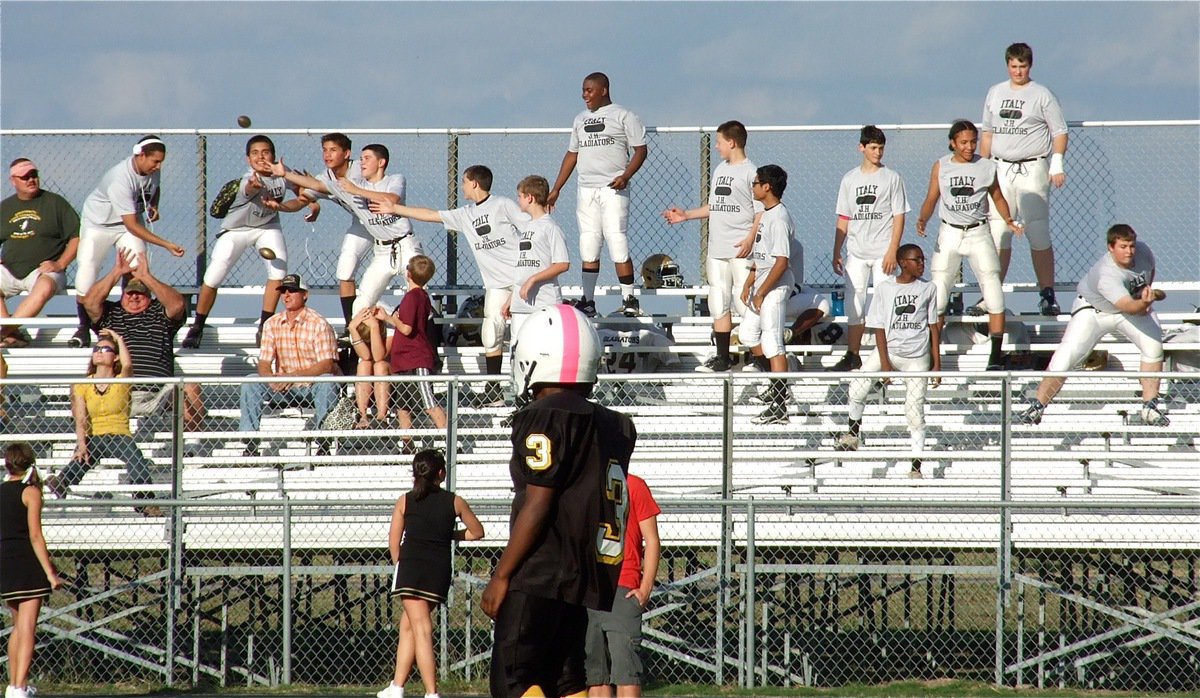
(412, 352)
(296, 344)
(370, 341)
(101, 412)
(40, 235)
(148, 315)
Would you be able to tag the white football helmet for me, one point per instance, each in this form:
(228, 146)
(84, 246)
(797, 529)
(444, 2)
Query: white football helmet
(557, 344)
(660, 271)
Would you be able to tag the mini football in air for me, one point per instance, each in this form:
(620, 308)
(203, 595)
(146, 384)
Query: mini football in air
(243, 121)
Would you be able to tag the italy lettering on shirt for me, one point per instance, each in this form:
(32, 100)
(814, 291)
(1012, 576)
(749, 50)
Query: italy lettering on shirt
(723, 187)
(1011, 111)
(903, 306)
(962, 188)
(1136, 283)
(526, 246)
(593, 129)
(865, 197)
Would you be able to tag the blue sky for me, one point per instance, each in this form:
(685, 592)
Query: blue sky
(415, 64)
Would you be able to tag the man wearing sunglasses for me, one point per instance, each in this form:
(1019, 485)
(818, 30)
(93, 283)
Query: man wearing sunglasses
(40, 236)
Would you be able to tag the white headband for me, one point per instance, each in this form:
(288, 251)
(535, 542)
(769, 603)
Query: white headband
(29, 475)
(141, 145)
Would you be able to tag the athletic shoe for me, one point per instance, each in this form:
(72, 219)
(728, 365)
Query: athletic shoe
(787, 335)
(775, 414)
(392, 691)
(846, 442)
(585, 306)
(631, 307)
(491, 396)
(1032, 414)
(1154, 414)
(343, 338)
(977, 310)
(849, 362)
(766, 395)
(1048, 305)
(192, 340)
(997, 364)
(81, 339)
(717, 364)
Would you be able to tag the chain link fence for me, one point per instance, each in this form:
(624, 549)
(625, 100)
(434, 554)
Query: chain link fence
(1142, 173)
(1065, 553)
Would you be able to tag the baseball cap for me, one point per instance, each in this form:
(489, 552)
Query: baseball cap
(22, 168)
(293, 281)
(137, 286)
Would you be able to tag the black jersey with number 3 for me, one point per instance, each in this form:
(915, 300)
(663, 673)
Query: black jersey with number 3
(581, 450)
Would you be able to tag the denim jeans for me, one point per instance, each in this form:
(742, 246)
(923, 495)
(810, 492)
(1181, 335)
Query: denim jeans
(119, 446)
(254, 395)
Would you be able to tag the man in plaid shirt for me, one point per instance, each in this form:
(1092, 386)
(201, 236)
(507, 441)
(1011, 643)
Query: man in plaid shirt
(299, 342)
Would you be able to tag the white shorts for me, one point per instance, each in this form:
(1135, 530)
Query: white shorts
(859, 272)
(232, 243)
(914, 388)
(976, 245)
(1026, 187)
(387, 262)
(95, 241)
(801, 300)
(354, 246)
(726, 277)
(11, 286)
(1088, 325)
(492, 331)
(765, 327)
(603, 215)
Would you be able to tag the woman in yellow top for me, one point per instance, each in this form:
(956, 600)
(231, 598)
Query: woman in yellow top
(101, 412)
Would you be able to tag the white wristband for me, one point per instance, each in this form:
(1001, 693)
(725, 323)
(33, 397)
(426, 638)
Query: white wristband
(1056, 164)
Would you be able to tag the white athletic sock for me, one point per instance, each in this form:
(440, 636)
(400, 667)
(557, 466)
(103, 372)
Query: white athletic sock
(589, 284)
(626, 291)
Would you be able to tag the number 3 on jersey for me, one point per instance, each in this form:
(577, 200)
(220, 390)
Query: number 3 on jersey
(541, 458)
(610, 538)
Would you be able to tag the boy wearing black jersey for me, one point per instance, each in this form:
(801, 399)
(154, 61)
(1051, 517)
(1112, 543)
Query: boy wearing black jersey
(567, 537)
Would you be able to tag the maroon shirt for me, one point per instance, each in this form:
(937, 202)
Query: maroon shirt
(413, 351)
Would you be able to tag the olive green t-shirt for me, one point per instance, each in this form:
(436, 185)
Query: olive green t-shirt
(34, 231)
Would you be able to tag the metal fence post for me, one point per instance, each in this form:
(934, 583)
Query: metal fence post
(705, 183)
(287, 590)
(724, 553)
(452, 202)
(748, 660)
(1003, 561)
(201, 208)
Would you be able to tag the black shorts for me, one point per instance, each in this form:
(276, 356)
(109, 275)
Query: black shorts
(414, 396)
(538, 642)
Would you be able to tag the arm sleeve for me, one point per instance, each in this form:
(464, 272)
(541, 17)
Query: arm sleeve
(844, 200)
(987, 110)
(635, 130)
(880, 304)
(899, 197)
(1052, 112)
(457, 220)
(540, 447)
(558, 246)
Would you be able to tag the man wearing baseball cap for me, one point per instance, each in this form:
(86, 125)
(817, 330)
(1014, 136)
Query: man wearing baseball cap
(296, 343)
(40, 236)
(147, 316)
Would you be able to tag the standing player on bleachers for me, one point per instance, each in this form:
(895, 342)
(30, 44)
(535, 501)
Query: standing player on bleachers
(570, 458)
(903, 315)
(335, 154)
(1025, 132)
(1115, 296)
(392, 236)
(252, 220)
(490, 225)
(730, 212)
(113, 216)
(871, 205)
(959, 185)
(608, 143)
(766, 289)
(542, 257)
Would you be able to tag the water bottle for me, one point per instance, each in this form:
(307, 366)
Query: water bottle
(839, 302)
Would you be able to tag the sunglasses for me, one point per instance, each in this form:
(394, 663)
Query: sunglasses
(28, 176)
(104, 350)
(289, 290)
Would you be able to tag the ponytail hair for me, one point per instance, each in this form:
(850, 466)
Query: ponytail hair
(18, 459)
(429, 467)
